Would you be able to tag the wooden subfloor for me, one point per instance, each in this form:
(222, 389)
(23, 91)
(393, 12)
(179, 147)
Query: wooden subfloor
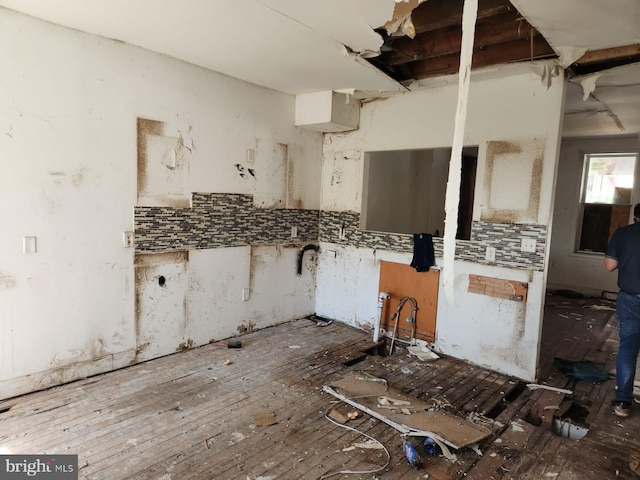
(193, 414)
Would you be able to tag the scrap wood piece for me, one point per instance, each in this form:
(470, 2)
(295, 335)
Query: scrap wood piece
(338, 416)
(385, 400)
(442, 426)
(264, 419)
(542, 411)
(535, 386)
(422, 353)
(436, 473)
(498, 287)
(367, 445)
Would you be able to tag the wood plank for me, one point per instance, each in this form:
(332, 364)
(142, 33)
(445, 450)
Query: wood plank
(452, 430)
(498, 287)
(608, 54)
(400, 280)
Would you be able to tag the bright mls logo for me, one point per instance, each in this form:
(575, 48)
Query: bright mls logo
(51, 467)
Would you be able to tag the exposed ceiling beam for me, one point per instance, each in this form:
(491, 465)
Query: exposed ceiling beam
(502, 35)
(514, 51)
(436, 14)
(501, 28)
(598, 60)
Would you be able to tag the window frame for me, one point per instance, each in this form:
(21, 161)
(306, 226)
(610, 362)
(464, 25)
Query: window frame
(586, 161)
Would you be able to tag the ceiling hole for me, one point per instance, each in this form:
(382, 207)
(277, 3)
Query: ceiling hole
(162, 280)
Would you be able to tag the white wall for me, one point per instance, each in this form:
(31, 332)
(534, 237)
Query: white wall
(512, 105)
(567, 269)
(68, 108)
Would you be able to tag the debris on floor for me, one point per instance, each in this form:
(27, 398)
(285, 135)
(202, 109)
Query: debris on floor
(320, 321)
(323, 323)
(264, 419)
(338, 416)
(229, 344)
(412, 455)
(581, 370)
(425, 419)
(634, 463)
(602, 307)
(368, 445)
(422, 353)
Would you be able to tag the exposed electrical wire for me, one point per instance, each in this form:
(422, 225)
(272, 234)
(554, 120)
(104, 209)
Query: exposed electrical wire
(355, 472)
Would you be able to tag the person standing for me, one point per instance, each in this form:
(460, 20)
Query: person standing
(623, 254)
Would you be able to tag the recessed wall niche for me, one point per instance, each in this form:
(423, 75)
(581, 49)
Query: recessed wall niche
(163, 165)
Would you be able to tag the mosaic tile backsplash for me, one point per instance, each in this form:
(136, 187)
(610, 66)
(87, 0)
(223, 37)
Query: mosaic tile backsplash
(217, 220)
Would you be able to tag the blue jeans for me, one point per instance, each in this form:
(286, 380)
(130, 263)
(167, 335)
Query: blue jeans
(628, 313)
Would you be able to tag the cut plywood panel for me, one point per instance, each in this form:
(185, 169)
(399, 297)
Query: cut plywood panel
(400, 280)
(498, 287)
(366, 391)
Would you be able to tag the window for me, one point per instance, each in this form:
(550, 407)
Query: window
(404, 191)
(606, 202)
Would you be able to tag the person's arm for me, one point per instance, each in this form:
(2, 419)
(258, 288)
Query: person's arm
(610, 263)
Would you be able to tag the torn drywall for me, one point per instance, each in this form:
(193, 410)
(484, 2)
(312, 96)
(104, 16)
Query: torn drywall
(452, 198)
(401, 23)
(588, 84)
(546, 70)
(568, 55)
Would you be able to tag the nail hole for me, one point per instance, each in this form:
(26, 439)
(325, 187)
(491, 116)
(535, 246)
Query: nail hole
(162, 280)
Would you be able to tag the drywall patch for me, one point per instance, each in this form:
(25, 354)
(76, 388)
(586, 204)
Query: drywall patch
(7, 281)
(512, 181)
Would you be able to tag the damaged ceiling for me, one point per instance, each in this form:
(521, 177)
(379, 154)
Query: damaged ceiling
(366, 45)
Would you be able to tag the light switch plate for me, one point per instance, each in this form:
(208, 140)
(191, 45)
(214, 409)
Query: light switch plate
(528, 245)
(490, 254)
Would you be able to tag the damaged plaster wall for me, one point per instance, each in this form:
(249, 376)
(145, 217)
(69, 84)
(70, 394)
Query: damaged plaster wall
(514, 106)
(568, 269)
(68, 108)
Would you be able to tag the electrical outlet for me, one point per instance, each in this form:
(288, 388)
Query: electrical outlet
(127, 239)
(490, 254)
(245, 294)
(294, 232)
(342, 234)
(528, 245)
(29, 245)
